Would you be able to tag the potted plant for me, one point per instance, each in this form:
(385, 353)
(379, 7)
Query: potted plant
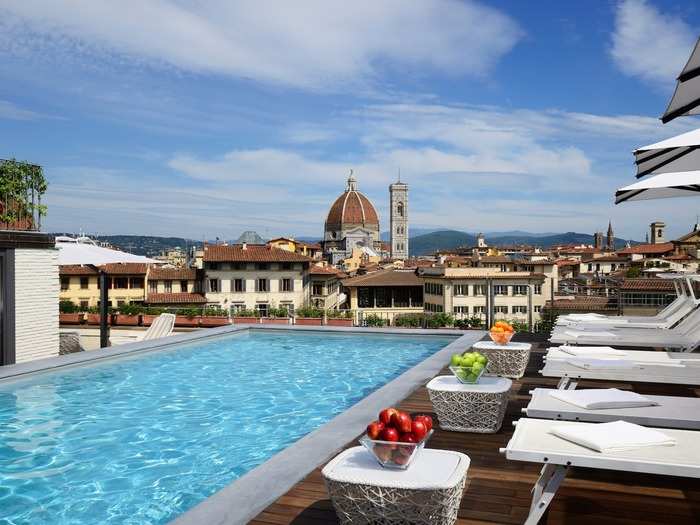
(409, 320)
(309, 315)
(439, 320)
(276, 316)
(69, 313)
(339, 318)
(128, 315)
(188, 317)
(214, 316)
(150, 314)
(245, 317)
(374, 320)
(93, 315)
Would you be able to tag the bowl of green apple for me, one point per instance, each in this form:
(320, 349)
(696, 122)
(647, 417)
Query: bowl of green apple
(468, 367)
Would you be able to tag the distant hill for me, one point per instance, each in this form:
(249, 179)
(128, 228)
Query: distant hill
(448, 239)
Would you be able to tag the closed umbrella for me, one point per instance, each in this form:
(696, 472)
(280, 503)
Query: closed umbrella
(679, 153)
(686, 97)
(662, 186)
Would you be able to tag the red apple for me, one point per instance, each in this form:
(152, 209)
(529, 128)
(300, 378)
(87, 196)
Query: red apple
(386, 415)
(401, 422)
(374, 429)
(418, 430)
(389, 434)
(427, 420)
(407, 437)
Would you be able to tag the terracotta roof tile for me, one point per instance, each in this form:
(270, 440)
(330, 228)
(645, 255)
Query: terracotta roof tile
(157, 272)
(656, 285)
(77, 269)
(125, 268)
(323, 270)
(385, 278)
(583, 303)
(252, 253)
(176, 298)
(352, 207)
(663, 247)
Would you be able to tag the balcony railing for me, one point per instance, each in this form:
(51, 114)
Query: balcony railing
(21, 188)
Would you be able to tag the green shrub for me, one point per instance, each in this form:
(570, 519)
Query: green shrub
(246, 313)
(130, 309)
(339, 314)
(375, 320)
(214, 311)
(409, 320)
(520, 326)
(188, 312)
(309, 311)
(278, 312)
(439, 320)
(67, 306)
(154, 310)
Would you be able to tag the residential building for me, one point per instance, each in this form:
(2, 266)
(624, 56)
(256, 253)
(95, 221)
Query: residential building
(645, 296)
(326, 288)
(174, 257)
(639, 252)
(398, 206)
(259, 277)
(604, 265)
(361, 256)
(385, 293)
(464, 292)
(174, 287)
(308, 249)
(127, 283)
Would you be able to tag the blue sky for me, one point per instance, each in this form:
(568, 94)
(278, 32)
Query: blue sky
(204, 119)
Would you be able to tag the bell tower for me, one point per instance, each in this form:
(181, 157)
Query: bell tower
(398, 204)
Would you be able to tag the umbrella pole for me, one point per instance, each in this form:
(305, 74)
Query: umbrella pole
(104, 310)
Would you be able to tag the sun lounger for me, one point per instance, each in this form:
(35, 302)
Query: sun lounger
(570, 371)
(534, 442)
(162, 326)
(685, 335)
(608, 352)
(669, 411)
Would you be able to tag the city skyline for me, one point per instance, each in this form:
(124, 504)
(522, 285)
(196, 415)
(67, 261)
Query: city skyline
(521, 121)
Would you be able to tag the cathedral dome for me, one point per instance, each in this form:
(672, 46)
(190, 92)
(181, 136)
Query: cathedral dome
(352, 208)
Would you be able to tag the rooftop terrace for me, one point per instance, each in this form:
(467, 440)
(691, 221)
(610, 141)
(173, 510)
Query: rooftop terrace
(498, 490)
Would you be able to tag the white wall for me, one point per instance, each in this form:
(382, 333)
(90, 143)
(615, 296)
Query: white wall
(36, 303)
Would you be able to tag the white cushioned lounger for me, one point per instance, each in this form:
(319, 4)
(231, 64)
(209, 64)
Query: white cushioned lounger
(637, 356)
(671, 412)
(533, 442)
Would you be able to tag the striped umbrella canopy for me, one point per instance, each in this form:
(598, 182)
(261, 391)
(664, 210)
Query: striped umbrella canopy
(679, 153)
(662, 186)
(686, 97)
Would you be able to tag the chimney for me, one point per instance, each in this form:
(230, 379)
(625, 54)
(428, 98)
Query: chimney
(245, 246)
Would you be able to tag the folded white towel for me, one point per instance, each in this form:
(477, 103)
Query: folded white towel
(592, 351)
(602, 364)
(602, 398)
(591, 333)
(616, 436)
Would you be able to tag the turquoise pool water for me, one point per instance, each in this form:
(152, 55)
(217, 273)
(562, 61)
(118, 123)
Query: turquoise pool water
(139, 440)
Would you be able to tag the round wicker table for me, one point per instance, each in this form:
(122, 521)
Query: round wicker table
(477, 407)
(505, 360)
(428, 492)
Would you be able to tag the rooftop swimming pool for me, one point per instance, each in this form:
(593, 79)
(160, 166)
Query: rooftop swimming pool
(141, 439)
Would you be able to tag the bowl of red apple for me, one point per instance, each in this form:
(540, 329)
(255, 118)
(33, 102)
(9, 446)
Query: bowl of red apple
(395, 439)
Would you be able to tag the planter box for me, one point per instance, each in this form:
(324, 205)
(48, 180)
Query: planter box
(246, 320)
(214, 321)
(147, 319)
(315, 321)
(95, 319)
(274, 320)
(70, 318)
(187, 322)
(126, 320)
(339, 322)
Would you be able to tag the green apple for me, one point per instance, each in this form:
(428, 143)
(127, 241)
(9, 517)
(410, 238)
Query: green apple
(477, 367)
(456, 360)
(467, 361)
(463, 374)
(482, 359)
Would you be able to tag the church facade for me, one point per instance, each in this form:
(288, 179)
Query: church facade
(352, 225)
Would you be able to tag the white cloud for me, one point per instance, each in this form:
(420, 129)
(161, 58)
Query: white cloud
(11, 111)
(649, 44)
(318, 44)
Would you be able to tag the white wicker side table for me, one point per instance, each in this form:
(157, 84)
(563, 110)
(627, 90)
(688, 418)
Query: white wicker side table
(505, 360)
(470, 408)
(428, 492)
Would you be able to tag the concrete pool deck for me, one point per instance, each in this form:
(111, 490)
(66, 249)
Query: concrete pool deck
(245, 497)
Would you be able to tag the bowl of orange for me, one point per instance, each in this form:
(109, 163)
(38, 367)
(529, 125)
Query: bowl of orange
(501, 332)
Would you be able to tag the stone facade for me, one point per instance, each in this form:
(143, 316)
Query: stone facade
(398, 204)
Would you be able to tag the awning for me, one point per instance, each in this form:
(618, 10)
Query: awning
(679, 153)
(686, 97)
(663, 186)
(72, 251)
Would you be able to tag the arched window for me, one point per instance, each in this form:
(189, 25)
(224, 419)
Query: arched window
(399, 209)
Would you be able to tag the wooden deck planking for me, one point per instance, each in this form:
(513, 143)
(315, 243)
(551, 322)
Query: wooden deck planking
(498, 490)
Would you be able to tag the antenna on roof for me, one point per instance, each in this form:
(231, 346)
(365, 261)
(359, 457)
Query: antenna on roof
(399, 174)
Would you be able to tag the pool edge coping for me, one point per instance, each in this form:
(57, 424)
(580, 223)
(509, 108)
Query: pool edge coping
(240, 501)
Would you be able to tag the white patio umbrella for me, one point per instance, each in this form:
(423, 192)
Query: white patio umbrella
(686, 97)
(662, 186)
(72, 251)
(679, 153)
